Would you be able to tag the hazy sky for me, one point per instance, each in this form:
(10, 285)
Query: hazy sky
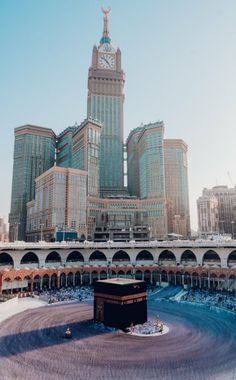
(179, 57)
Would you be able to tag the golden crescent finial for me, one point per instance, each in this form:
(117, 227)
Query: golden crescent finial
(106, 11)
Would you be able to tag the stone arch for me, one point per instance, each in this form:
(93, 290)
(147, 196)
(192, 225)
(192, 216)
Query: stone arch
(70, 278)
(222, 282)
(179, 280)
(164, 276)
(46, 281)
(121, 256)
(232, 282)
(204, 280)
(27, 278)
(171, 276)
(187, 279)
(97, 256)
(144, 255)
(129, 274)
(121, 273)
(138, 275)
(94, 276)
(195, 280)
(147, 276)
(188, 258)
(210, 258)
(54, 281)
(7, 285)
(166, 257)
(62, 280)
(113, 273)
(77, 278)
(36, 282)
(213, 283)
(18, 281)
(231, 261)
(103, 275)
(86, 278)
(6, 259)
(75, 256)
(53, 257)
(30, 258)
(156, 276)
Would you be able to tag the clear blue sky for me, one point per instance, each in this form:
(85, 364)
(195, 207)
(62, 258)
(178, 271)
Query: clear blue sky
(180, 63)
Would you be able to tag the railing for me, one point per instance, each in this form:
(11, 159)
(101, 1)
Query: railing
(50, 264)
(29, 265)
(211, 262)
(134, 244)
(166, 262)
(188, 262)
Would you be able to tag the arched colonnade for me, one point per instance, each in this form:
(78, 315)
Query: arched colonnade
(167, 257)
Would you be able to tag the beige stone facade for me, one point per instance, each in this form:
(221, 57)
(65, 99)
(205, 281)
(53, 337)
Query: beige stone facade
(224, 207)
(60, 203)
(208, 217)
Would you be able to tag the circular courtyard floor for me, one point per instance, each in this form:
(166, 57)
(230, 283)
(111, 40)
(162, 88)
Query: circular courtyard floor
(200, 345)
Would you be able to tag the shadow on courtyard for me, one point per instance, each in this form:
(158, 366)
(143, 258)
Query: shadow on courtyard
(23, 342)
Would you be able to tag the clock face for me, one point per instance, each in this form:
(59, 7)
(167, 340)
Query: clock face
(107, 61)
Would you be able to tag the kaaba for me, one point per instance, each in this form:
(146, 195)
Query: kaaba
(120, 302)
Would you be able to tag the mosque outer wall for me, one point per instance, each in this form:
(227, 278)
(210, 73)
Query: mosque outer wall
(155, 269)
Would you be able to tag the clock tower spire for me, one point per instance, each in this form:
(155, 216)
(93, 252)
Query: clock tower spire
(105, 103)
(105, 36)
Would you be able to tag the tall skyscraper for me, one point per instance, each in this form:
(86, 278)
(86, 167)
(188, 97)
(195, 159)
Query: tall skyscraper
(146, 174)
(64, 147)
(34, 153)
(86, 153)
(176, 184)
(133, 161)
(157, 198)
(145, 156)
(105, 103)
(208, 216)
(226, 208)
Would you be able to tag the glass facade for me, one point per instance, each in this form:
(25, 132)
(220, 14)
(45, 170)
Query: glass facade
(64, 148)
(86, 153)
(107, 109)
(176, 176)
(151, 169)
(146, 177)
(34, 153)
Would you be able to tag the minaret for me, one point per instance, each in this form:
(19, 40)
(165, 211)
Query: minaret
(105, 103)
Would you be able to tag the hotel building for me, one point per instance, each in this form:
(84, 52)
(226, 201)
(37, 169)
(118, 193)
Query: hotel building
(151, 206)
(34, 153)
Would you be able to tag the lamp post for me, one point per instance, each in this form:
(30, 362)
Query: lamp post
(232, 226)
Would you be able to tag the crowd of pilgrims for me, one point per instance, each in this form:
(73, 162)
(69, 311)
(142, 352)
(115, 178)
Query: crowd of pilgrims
(220, 299)
(210, 298)
(77, 293)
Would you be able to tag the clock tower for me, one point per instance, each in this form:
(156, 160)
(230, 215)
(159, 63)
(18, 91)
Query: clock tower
(105, 103)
